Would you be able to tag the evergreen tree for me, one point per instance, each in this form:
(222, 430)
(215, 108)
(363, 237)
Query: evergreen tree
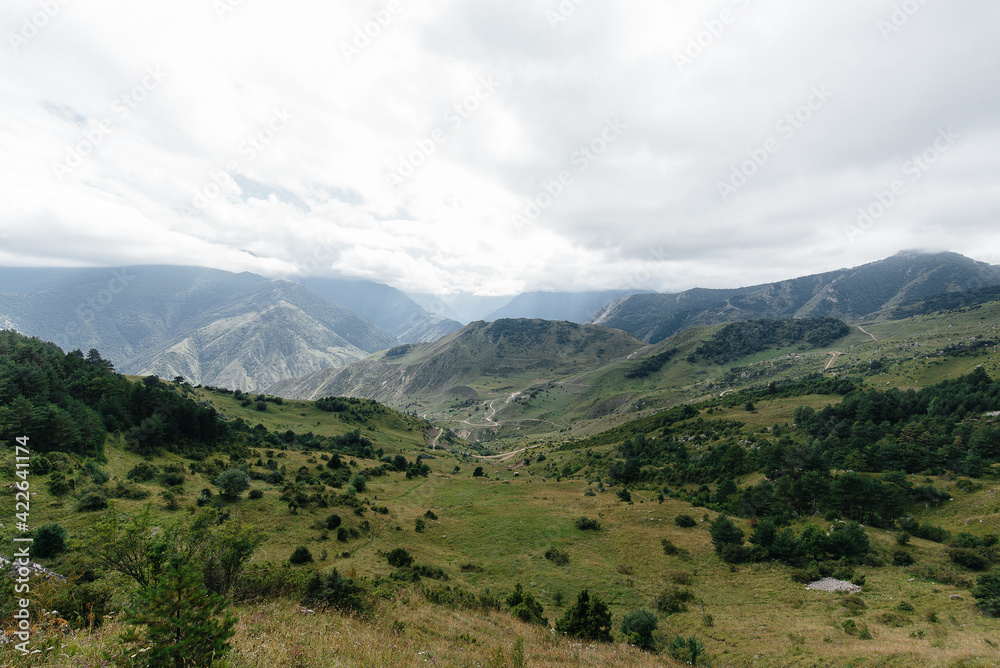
(589, 619)
(185, 624)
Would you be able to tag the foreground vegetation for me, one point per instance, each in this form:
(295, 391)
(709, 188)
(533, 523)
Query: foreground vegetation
(341, 532)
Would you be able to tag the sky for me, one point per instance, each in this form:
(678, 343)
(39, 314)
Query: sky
(498, 147)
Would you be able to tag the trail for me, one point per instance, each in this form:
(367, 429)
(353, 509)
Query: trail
(834, 354)
(506, 455)
(874, 338)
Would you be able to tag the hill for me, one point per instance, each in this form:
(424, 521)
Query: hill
(407, 555)
(214, 327)
(871, 291)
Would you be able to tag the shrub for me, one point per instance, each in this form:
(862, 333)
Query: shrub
(333, 521)
(724, 532)
(261, 405)
(624, 495)
(638, 626)
(301, 555)
(967, 558)
(685, 521)
(478, 472)
(557, 556)
(430, 515)
(588, 524)
(359, 483)
(256, 493)
(987, 593)
(905, 606)
(92, 502)
(669, 547)
(399, 558)
(419, 525)
(901, 558)
(524, 606)
(587, 618)
(232, 483)
(50, 540)
(142, 472)
(337, 591)
(686, 650)
(673, 600)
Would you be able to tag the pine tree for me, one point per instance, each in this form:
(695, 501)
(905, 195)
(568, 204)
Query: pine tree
(186, 625)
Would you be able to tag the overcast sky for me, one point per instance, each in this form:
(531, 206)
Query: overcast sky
(503, 146)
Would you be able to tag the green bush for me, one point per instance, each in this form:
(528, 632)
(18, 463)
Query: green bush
(399, 558)
(337, 591)
(333, 521)
(232, 483)
(987, 593)
(256, 493)
(685, 521)
(557, 556)
(901, 558)
(524, 606)
(588, 524)
(142, 472)
(301, 555)
(588, 618)
(967, 558)
(638, 627)
(92, 502)
(669, 547)
(673, 600)
(686, 650)
(50, 540)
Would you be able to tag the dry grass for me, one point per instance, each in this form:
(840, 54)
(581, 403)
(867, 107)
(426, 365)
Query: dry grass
(405, 632)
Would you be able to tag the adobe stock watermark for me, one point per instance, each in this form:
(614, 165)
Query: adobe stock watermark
(581, 158)
(249, 149)
(787, 126)
(563, 11)
(370, 30)
(913, 169)
(121, 109)
(453, 117)
(900, 16)
(712, 30)
(32, 25)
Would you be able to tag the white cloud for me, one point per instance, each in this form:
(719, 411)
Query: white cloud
(197, 171)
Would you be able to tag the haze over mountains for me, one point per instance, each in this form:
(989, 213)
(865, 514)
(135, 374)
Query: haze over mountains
(245, 331)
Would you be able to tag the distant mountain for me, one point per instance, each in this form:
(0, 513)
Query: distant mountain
(210, 326)
(386, 306)
(507, 349)
(871, 291)
(576, 307)
(463, 307)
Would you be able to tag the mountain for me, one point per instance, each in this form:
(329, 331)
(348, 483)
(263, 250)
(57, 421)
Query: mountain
(516, 351)
(213, 327)
(870, 291)
(576, 307)
(386, 306)
(463, 307)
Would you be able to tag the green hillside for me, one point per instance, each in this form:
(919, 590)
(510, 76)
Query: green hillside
(791, 443)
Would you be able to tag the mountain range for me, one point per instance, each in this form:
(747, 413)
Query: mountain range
(248, 332)
(871, 291)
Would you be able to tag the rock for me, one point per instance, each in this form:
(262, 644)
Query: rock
(956, 597)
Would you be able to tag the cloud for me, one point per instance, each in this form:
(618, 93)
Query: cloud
(407, 141)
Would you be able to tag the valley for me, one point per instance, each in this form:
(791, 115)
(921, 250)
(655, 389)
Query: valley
(396, 509)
